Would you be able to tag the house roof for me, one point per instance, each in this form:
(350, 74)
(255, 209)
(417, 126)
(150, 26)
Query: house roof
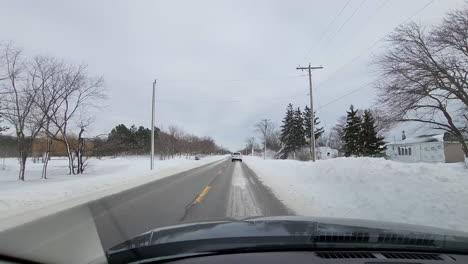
(420, 139)
(447, 137)
(325, 148)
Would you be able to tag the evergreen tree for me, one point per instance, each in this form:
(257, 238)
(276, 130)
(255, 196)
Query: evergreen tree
(133, 140)
(120, 134)
(318, 130)
(286, 130)
(372, 144)
(352, 133)
(298, 131)
(143, 138)
(121, 139)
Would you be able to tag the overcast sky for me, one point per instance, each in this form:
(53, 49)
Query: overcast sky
(221, 65)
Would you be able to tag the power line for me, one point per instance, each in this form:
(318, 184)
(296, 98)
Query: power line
(380, 7)
(339, 13)
(417, 12)
(367, 50)
(349, 40)
(232, 80)
(230, 100)
(345, 95)
(347, 20)
(352, 15)
(322, 35)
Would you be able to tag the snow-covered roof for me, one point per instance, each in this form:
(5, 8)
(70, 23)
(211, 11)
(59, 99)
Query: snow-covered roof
(325, 148)
(420, 139)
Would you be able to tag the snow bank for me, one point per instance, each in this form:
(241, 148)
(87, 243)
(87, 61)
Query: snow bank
(107, 174)
(368, 188)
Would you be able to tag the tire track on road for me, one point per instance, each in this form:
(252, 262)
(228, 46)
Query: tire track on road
(242, 201)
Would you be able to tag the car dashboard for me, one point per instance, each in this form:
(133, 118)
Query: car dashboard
(329, 257)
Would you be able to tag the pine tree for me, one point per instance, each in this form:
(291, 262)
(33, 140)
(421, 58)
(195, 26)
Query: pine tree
(318, 130)
(286, 130)
(298, 131)
(352, 133)
(120, 137)
(143, 136)
(133, 140)
(372, 144)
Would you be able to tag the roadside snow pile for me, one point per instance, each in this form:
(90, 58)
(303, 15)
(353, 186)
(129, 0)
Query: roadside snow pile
(368, 188)
(101, 175)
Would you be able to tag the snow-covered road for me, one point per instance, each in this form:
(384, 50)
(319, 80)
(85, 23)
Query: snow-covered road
(242, 200)
(103, 176)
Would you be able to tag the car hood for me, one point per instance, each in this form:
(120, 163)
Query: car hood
(285, 232)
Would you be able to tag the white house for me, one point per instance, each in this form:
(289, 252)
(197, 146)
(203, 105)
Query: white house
(426, 148)
(326, 153)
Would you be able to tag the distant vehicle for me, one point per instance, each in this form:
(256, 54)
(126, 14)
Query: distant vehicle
(236, 156)
(197, 157)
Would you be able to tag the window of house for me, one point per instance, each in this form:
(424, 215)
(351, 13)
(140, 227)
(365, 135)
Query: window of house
(399, 151)
(409, 151)
(406, 151)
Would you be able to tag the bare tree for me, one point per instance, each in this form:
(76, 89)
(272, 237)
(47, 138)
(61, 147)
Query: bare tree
(45, 75)
(77, 91)
(335, 139)
(176, 134)
(424, 76)
(250, 144)
(273, 138)
(83, 125)
(265, 128)
(18, 93)
(453, 33)
(2, 128)
(183, 140)
(322, 140)
(383, 121)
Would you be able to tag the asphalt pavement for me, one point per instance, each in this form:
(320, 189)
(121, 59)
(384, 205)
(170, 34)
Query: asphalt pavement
(219, 190)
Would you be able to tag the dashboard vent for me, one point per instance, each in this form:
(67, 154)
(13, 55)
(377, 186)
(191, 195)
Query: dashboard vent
(414, 239)
(345, 255)
(342, 237)
(412, 256)
(371, 255)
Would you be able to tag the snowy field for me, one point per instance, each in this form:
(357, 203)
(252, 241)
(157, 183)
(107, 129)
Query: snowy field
(107, 174)
(367, 188)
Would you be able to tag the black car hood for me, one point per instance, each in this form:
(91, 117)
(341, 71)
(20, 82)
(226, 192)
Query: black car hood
(284, 232)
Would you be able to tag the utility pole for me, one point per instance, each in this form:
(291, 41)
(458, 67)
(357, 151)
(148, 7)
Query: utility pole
(312, 115)
(152, 127)
(265, 122)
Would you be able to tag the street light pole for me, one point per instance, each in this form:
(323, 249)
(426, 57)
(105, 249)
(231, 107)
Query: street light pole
(152, 127)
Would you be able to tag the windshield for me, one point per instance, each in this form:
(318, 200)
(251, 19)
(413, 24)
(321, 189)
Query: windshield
(116, 119)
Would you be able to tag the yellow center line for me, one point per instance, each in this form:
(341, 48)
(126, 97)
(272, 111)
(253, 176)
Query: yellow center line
(202, 195)
(220, 171)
